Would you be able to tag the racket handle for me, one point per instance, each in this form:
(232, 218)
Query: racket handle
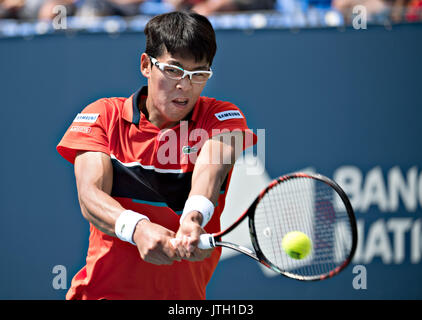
(206, 241)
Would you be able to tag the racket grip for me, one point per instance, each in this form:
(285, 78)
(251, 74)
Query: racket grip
(206, 241)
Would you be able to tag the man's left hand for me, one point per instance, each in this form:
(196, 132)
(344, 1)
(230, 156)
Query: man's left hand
(187, 238)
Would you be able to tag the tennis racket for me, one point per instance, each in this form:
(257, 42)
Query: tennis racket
(309, 203)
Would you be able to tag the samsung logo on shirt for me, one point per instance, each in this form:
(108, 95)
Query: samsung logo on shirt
(86, 117)
(230, 114)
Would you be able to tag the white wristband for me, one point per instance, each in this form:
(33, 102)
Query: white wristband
(126, 223)
(201, 204)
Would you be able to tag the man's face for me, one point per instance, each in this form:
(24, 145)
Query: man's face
(170, 101)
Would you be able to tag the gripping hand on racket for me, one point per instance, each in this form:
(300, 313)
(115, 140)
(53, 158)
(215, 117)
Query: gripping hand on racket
(187, 238)
(153, 242)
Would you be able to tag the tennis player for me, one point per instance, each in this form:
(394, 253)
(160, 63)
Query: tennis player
(146, 170)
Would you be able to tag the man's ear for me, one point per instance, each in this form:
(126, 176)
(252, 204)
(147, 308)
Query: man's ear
(145, 65)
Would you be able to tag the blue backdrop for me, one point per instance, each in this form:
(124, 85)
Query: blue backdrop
(346, 103)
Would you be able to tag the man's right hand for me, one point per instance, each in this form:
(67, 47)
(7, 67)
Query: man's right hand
(153, 242)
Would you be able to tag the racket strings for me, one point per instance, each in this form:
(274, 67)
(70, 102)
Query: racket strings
(309, 206)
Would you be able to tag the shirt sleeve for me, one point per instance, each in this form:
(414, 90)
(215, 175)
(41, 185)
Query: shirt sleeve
(88, 132)
(226, 117)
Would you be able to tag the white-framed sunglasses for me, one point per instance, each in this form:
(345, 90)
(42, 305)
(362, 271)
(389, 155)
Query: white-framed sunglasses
(177, 73)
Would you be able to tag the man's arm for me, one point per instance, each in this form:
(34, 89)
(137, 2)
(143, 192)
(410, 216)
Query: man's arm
(215, 161)
(94, 180)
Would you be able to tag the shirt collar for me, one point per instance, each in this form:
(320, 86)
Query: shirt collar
(131, 111)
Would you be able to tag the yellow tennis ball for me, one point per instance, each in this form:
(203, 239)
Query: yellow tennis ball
(296, 244)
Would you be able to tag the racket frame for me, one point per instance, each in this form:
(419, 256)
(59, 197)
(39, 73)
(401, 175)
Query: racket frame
(259, 256)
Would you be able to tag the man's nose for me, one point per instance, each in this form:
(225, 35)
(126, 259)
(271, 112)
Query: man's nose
(184, 83)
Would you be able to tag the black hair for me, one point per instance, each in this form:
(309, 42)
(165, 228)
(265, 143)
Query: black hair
(186, 33)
